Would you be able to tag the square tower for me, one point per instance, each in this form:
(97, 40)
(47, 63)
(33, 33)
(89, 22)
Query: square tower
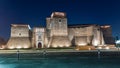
(57, 24)
(20, 36)
(57, 30)
(38, 37)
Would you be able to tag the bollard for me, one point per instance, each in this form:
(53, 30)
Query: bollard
(98, 54)
(44, 52)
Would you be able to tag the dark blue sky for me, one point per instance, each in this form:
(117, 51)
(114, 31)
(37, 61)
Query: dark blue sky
(34, 13)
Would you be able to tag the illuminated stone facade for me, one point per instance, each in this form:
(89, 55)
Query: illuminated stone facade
(38, 37)
(20, 36)
(58, 33)
(57, 30)
(83, 35)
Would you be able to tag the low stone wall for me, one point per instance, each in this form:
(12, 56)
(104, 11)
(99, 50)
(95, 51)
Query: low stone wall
(30, 54)
(85, 48)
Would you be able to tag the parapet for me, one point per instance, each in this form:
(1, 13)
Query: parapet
(20, 25)
(106, 26)
(58, 15)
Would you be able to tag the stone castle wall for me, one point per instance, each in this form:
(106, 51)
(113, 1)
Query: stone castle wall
(60, 41)
(38, 37)
(107, 34)
(86, 35)
(19, 31)
(81, 35)
(57, 26)
(21, 42)
(57, 30)
(20, 36)
(58, 34)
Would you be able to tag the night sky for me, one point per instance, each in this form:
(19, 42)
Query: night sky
(34, 13)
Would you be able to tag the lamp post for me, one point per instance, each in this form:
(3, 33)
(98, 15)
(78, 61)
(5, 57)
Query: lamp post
(98, 53)
(44, 51)
(18, 54)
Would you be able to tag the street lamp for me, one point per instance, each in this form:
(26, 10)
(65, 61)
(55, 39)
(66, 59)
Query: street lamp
(98, 51)
(18, 53)
(44, 51)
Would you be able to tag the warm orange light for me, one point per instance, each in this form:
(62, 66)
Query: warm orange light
(107, 48)
(67, 45)
(54, 46)
(61, 14)
(82, 44)
(25, 46)
(11, 47)
(18, 47)
(99, 47)
(61, 46)
(95, 43)
(107, 26)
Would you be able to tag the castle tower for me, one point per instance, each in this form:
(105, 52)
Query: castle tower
(38, 38)
(107, 34)
(57, 30)
(20, 36)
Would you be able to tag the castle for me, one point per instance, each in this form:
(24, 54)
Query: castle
(58, 33)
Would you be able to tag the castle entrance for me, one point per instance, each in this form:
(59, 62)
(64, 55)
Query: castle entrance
(39, 45)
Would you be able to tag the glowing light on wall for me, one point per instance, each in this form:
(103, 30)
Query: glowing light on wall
(11, 47)
(61, 46)
(82, 44)
(107, 48)
(99, 47)
(95, 43)
(19, 47)
(58, 14)
(1, 48)
(89, 48)
(25, 46)
(54, 46)
(67, 45)
(107, 26)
